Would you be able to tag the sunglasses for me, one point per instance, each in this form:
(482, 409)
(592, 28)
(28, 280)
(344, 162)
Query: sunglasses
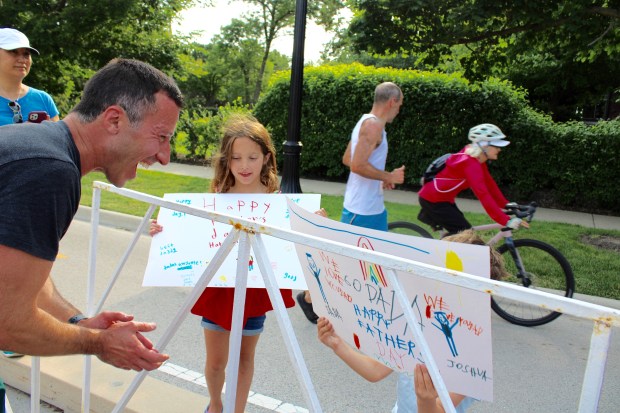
(17, 112)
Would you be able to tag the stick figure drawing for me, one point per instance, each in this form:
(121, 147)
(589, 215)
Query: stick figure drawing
(446, 329)
(316, 271)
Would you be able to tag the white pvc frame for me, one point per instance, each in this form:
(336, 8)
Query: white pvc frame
(249, 233)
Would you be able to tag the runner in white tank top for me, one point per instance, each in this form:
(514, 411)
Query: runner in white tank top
(366, 155)
(364, 196)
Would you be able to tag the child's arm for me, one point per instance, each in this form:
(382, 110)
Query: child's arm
(365, 366)
(428, 400)
(155, 228)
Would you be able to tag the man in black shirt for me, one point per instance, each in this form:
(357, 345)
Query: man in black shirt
(127, 115)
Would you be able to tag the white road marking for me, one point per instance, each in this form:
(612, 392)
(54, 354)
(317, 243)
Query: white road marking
(254, 398)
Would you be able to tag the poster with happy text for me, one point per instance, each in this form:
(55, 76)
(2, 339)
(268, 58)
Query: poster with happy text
(181, 252)
(360, 301)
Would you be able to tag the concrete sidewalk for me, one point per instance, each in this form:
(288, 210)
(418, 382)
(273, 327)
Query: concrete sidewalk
(62, 381)
(410, 197)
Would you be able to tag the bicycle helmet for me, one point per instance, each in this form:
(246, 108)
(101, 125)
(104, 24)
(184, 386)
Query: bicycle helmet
(489, 134)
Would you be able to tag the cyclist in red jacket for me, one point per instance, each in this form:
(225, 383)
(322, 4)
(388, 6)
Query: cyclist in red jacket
(463, 170)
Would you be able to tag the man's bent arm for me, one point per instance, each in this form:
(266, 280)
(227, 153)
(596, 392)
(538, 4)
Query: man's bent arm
(27, 328)
(371, 134)
(346, 158)
(24, 326)
(55, 304)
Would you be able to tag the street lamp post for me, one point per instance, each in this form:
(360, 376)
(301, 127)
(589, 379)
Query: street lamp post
(292, 147)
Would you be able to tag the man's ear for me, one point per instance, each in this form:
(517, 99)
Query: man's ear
(112, 117)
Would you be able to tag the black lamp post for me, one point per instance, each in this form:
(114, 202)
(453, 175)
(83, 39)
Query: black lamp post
(292, 147)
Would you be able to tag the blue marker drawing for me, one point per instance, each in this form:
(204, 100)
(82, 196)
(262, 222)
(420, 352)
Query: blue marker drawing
(446, 328)
(316, 271)
(359, 234)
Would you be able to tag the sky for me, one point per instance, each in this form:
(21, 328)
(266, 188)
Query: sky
(211, 19)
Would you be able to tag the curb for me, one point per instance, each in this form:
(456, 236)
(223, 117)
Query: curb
(62, 379)
(110, 219)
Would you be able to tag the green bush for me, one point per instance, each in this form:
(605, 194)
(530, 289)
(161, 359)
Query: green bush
(550, 163)
(585, 168)
(200, 130)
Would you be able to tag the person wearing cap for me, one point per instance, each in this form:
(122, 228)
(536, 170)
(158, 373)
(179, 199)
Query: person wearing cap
(18, 100)
(467, 169)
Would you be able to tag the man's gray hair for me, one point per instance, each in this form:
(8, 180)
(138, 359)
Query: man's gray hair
(129, 83)
(386, 91)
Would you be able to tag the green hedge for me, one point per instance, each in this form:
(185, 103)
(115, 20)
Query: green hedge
(199, 132)
(585, 160)
(558, 165)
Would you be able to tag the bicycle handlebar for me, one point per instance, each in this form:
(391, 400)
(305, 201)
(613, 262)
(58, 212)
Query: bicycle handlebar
(525, 212)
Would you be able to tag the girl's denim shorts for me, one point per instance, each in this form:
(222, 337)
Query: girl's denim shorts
(253, 326)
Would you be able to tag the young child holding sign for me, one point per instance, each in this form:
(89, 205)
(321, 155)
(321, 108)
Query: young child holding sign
(417, 395)
(246, 164)
(423, 400)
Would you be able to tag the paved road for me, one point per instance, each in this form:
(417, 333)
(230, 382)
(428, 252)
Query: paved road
(535, 369)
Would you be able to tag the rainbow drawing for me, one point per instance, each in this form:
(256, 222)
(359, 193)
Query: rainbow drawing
(371, 271)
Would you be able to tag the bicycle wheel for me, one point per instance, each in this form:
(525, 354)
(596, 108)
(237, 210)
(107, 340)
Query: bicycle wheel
(408, 228)
(547, 270)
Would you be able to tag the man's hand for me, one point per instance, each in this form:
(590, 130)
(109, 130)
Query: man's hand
(397, 176)
(105, 319)
(124, 346)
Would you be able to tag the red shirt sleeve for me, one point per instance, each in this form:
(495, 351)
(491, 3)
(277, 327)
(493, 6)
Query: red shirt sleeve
(486, 190)
(497, 195)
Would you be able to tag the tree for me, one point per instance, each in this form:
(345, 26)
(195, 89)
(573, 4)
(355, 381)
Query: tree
(501, 37)
(203, 76)
(225, 69)
(273, 17)
(242, 56)
(76, 38)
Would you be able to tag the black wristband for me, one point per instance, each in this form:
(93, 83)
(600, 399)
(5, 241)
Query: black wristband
(77, 318)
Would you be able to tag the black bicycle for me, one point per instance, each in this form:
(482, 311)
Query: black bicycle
(533, 264)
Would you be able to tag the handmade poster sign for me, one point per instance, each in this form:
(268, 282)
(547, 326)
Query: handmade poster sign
(181, 252)
(360, 301)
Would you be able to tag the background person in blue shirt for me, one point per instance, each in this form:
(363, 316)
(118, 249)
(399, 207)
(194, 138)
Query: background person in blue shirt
(18, 100)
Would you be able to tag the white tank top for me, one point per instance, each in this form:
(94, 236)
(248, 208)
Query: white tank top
(364, 196)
